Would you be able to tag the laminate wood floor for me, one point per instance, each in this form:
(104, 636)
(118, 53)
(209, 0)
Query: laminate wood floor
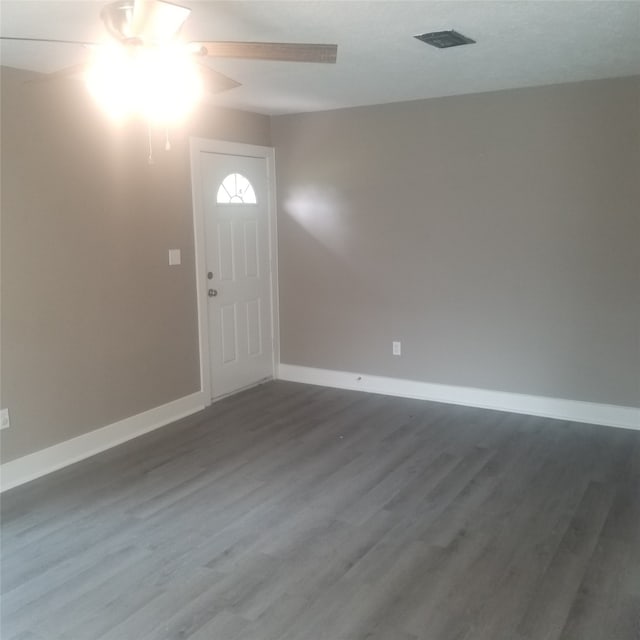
(293, 512)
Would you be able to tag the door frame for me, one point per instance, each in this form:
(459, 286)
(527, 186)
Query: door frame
(206, 145)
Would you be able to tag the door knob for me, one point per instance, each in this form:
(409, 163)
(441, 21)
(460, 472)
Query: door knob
(210, 275)
(213, 293)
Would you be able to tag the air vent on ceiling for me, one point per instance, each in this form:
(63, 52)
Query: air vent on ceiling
(445, 39)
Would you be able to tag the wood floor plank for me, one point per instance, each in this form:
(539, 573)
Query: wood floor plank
(556, 590)
(607, 603)
(295, 512)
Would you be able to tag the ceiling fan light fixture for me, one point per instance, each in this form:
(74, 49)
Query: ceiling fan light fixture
(170, 84)
(160, 84)
(148, 21)
(146, 70)
(118, 18)
(109, 80)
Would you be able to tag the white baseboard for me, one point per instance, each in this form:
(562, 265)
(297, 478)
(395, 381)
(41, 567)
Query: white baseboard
(40, 463)
(573, 410)
(60, 455)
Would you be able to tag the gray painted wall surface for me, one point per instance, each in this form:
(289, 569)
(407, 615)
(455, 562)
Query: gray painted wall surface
(96, 326)
(496, 235)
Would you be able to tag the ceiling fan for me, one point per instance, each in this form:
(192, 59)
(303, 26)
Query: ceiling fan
(143, 24)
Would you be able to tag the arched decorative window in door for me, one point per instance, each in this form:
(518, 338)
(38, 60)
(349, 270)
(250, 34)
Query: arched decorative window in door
(236, 189)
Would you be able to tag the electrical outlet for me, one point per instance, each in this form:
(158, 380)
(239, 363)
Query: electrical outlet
(397, 348)
(4, 419)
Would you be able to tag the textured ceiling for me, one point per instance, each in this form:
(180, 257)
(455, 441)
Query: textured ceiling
(519, 44)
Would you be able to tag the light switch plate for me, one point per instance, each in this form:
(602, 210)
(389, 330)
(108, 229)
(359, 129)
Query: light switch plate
(174, 257)
(4, 419)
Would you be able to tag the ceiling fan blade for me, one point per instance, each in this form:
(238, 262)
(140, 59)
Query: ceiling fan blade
(285, 51)
(216, 82)
(67, 72)
(84, 43)
(157, 21)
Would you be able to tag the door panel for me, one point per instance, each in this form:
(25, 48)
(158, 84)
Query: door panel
(237, 255)
(228, 331)
(251, 249)
(254, 321)
(225, 250)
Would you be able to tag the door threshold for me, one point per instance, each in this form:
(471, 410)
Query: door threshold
(241, 389)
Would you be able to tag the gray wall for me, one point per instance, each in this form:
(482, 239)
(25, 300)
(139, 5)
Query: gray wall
(496, 235)
(96, 326)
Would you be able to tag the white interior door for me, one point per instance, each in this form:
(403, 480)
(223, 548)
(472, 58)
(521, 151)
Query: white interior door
(235, 199)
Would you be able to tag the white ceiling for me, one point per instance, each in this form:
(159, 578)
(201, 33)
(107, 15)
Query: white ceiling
(519, 44)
